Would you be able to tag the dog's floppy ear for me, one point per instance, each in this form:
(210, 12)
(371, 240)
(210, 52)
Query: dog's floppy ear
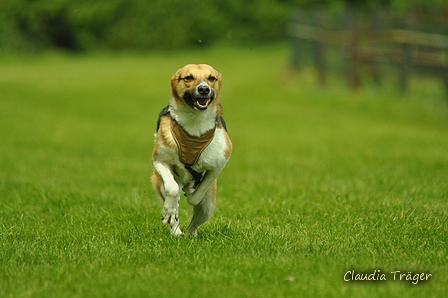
(219, 78)
(175, 80)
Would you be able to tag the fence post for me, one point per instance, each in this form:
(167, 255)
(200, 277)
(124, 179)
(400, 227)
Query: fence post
(296, 43)
(405, 66)
(352, 49)
(406, 52)
(319, 47)
(376, 32)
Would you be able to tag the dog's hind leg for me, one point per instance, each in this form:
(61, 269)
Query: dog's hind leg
(203, 210)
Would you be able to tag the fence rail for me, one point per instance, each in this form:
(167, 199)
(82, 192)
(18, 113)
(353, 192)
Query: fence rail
(367, 39)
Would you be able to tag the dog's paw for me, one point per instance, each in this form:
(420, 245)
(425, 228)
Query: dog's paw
(192, 233)
(189, 189)
(176, 232)
(170, 217)
(191, 194)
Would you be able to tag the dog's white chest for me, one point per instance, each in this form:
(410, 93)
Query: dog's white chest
(213, 155)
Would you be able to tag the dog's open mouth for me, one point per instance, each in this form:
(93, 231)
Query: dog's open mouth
(202, 103)
(198, 101)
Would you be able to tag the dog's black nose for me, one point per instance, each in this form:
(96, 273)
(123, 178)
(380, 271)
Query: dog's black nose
(203, 90)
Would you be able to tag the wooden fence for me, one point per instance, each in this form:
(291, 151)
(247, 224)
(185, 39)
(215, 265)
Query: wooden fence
(414, 43)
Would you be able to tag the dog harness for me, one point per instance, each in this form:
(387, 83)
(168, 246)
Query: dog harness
(190, 147)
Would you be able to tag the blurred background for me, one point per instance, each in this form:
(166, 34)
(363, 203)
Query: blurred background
(30, 25)
(36, 25)
(356, 38)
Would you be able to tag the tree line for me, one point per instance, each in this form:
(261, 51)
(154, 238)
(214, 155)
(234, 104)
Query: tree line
(83, 25)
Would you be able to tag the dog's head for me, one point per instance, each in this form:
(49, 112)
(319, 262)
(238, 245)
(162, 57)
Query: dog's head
(197, 85)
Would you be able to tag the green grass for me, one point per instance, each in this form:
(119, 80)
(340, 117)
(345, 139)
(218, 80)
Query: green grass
(320, 182)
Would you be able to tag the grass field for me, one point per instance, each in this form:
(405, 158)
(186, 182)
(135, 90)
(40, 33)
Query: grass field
(321, 182)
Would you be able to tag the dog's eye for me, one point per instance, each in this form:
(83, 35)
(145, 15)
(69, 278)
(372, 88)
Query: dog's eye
(189, 78)
(212, 78)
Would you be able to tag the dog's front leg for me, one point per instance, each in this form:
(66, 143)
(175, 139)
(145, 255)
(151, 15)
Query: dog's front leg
(194, 197)
(171, 195)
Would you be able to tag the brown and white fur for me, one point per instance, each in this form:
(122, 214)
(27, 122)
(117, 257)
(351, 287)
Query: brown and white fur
(195, 105)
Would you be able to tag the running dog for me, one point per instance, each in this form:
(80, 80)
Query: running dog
(192, 146)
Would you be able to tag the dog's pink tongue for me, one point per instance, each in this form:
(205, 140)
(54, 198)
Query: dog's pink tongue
(203, 101)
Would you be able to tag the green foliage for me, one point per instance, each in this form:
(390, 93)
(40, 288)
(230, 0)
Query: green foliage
(139, 24)
(320, 182)
(30, 25)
